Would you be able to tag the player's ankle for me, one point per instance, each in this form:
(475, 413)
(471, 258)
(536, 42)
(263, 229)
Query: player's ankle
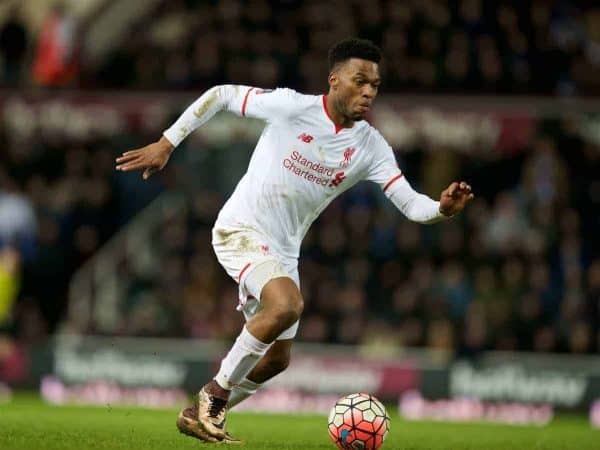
(216, 390)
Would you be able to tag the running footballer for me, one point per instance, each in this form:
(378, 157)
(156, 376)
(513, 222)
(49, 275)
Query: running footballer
(313, 148)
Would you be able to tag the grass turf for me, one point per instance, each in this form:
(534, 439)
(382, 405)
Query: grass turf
(28, 424)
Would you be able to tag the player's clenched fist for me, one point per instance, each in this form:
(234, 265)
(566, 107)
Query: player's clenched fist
(150, 159)
(455, 197)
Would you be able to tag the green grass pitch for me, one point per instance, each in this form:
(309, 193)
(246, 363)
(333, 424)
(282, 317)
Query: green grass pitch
(28, 424)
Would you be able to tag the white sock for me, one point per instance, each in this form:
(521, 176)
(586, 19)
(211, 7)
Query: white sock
(242, 391)
(241, 359)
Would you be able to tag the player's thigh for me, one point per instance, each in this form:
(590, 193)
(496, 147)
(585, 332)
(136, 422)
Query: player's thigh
(276, 285)
(284, 287)
(282, 293)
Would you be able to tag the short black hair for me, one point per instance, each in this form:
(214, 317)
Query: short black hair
(353, 48)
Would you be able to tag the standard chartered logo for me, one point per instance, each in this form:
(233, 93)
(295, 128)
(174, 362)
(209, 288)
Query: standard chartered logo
(511, 382)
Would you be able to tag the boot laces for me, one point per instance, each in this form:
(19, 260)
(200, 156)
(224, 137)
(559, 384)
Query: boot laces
(217, 405)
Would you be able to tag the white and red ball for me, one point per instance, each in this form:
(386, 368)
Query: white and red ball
(358, 422)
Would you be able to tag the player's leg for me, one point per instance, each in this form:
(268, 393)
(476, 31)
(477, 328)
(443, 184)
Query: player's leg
(275, 361)
(280, 308)
(277, 358)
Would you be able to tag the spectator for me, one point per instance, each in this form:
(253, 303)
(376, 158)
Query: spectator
(18, 223)
(13, 48)
(54, 62)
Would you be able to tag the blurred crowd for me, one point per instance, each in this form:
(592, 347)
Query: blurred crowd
(60, 200)
(57, 205)
(534, 46)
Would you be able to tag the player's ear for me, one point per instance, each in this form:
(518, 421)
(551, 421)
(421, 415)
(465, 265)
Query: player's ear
(333, 79)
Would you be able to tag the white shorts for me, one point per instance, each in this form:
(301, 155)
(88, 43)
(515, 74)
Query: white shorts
(246, 257)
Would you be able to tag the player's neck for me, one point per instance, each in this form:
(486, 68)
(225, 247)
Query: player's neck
(338, 118)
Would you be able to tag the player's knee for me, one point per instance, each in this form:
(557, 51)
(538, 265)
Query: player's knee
(289, 309)
(282, 301)
(297, 306)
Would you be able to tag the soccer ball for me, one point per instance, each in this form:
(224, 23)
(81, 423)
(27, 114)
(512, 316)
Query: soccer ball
(358, 422)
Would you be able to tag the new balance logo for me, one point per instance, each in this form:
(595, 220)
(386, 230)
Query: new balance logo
(347, 157)
(339, 177)
(305, 138)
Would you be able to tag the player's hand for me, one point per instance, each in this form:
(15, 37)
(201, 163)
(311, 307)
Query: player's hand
(150, 158)
(455, 197)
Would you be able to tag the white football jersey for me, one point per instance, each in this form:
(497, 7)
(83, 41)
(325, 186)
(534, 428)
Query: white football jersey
(302, 161)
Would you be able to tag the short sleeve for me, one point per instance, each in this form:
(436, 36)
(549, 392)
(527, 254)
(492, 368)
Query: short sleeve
(267, 104)
(384, 169)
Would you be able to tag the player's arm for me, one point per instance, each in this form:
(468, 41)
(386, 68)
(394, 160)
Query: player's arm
(423, 209)
(414, 205)
(242, 100)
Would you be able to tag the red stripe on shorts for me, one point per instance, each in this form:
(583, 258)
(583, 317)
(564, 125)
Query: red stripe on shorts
(242, 272)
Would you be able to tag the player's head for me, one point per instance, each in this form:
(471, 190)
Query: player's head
(354, 76)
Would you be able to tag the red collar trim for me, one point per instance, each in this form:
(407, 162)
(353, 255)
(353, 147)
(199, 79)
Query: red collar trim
(338, 128)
